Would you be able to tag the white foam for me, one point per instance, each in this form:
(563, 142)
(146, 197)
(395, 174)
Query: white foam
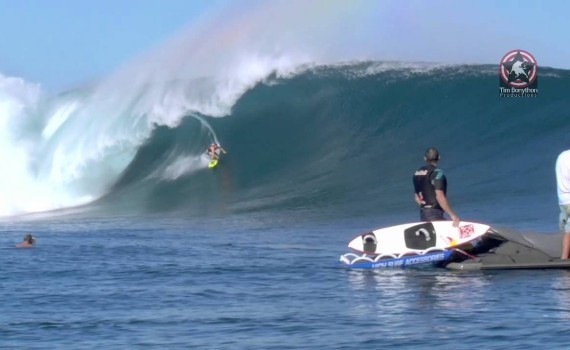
(20, 189)
(182, 166)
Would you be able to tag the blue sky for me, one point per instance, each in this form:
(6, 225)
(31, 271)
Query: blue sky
(63, 43)
(60, 43)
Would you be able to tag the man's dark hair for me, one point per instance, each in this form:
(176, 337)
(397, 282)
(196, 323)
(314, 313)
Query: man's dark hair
(432, 154)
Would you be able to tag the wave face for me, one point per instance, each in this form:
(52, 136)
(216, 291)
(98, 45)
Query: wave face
(332, 140)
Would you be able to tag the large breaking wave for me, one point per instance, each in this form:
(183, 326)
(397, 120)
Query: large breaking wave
(307, 128)
(332, 139)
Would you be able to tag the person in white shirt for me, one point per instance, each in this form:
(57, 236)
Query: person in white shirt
(563, 188)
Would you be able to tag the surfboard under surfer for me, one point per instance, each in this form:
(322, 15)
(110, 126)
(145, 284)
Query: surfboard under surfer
(430, 187)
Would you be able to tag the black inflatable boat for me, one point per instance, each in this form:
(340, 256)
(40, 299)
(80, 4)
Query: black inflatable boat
(504, 249)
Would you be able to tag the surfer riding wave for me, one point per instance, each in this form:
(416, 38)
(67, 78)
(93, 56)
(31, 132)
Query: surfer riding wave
(214, 151)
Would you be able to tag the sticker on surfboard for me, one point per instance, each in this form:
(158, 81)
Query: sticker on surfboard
(417, 237)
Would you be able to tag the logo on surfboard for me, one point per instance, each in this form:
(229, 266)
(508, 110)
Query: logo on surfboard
(466, 231)
(518, 74)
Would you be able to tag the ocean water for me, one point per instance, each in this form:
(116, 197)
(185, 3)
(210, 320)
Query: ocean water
(127, 283)
(140, 246)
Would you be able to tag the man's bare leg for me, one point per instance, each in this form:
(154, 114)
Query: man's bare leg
(566, 245)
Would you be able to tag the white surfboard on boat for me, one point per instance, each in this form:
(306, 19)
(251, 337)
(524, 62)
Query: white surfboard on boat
(417, 237)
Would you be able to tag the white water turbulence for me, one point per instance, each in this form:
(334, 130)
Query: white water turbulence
(60, 152)
(182, 166)
(70, 149)
(18, 100)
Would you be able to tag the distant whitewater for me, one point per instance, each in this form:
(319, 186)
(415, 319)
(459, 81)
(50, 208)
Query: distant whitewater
(338, 139)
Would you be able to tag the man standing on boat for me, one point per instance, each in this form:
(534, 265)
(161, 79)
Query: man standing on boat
(430, 186)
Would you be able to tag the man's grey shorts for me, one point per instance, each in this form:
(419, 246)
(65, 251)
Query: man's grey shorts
(565, 217)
